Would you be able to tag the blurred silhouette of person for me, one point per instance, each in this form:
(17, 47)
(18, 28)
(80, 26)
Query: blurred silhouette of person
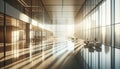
(87, 42)
(91, 49)
(96, 43)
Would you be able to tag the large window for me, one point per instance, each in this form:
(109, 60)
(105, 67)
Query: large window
(117, 11)
(117, 20)
(100, 28)
(117, 33)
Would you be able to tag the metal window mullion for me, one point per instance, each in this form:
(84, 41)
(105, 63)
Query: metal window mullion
(113, 34)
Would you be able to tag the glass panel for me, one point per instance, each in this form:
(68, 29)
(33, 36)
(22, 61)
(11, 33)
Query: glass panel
(1, 34)
(117, 34)
(108, 12)
(11, 39)
(103, 14)
(117, 58)
(32, 40)
(1, 6)
(23, 40)
(108, 36)
(103, 34)
(117, 46)
(1, 39)
(21, 43)
(117, 11)
(21, 5)
(96, 17)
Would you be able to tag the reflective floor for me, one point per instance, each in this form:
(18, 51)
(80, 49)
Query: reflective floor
(61, 54)
(46, 55)
(100, 57)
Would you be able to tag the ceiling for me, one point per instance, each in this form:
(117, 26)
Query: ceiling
(62, 11)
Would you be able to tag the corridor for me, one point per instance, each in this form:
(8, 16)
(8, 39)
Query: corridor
(59, 34)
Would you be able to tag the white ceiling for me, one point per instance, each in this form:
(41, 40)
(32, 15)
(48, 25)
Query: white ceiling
(61, 11)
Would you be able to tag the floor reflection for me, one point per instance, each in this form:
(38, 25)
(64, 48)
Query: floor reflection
(59, 54)
(98, 57)
(44, 55)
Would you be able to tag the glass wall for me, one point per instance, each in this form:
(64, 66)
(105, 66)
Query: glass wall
(100, 20)
(22, 32)
(117, 34)
(1, 40)
(117, 22)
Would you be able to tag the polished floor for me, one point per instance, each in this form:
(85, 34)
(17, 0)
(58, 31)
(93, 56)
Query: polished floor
(62, 54)
(51, 55)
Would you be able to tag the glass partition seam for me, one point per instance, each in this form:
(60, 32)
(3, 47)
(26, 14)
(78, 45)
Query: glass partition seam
(113, 34)
(4, 32)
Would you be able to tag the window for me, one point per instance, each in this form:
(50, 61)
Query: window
(108, 36)
(117, 11)
(108, 12)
